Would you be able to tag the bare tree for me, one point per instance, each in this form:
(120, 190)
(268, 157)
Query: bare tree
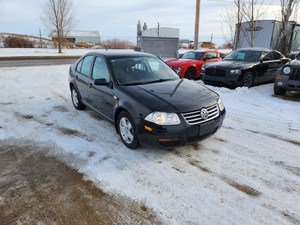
(252, 11)
(287, 8)
(233, 17)
(58, 15)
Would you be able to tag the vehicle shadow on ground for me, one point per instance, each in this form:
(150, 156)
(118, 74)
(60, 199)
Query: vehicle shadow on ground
(291, 96)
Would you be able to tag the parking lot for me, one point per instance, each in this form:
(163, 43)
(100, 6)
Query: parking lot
(248, 173)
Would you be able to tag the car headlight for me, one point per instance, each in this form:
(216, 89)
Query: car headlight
(221, 104)
(286, 70)
(236, 71)
(162, 118)
(177, 69)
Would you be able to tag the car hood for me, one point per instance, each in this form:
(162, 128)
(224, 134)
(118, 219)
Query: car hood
(173, 96)
(179, 62)
(230, 64)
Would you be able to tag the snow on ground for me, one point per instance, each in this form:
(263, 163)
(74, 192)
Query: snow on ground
(247, 173)
(9, 52)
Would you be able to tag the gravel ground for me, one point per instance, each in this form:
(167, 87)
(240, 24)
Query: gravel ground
(37, 188)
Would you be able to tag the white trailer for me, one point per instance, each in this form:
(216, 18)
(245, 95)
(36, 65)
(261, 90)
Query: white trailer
(267, 34)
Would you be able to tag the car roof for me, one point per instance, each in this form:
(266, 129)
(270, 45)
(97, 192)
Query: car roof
(204, 50)
(119, 54)
(254, 49)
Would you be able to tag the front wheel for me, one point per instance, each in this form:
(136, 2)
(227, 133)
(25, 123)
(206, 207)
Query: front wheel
(279, 90)
(190, 73)
(248, 80)
(127, 130)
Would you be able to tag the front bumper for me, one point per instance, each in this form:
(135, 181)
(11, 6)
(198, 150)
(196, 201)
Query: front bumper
(177, 135)
(229, 79)
(285, 83)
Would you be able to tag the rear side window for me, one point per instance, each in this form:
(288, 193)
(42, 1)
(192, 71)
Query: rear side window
(86, 65)
(79, 65)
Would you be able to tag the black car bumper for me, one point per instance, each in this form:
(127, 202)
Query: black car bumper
(286, 83)
(178, 135)
(232, 80)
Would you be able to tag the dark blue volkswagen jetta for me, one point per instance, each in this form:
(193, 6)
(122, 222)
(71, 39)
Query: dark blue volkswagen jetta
(145, 99)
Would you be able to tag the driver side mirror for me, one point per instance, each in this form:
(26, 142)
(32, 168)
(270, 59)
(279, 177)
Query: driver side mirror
(101, 82)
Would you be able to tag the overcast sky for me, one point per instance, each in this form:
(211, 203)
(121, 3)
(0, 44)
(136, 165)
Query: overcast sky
(118, 18)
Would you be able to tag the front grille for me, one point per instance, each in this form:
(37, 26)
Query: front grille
(295, 75)
(215, 72)
(195, 117)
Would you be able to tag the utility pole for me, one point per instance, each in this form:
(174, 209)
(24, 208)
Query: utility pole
(252, 23)
(41, 45)
(197, 16)
(211, 37)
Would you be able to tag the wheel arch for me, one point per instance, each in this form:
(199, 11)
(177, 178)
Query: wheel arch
(117, 113)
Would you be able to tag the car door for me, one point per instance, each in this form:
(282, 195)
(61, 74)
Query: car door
(101, 97)
(268, 64)
(82, 73)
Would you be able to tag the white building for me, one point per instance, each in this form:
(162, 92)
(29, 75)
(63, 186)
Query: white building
(77, 36)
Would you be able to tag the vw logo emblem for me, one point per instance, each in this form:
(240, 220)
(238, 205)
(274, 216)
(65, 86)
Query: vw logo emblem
(204, 113)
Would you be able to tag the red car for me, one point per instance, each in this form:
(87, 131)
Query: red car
(190, 63)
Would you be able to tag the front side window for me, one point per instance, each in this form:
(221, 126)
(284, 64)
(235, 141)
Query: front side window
(141, 70)
(100, 70)
(211, 55)
(267, 56)
(192, 55)
(246, 56)
(276, 55)
(86, 65)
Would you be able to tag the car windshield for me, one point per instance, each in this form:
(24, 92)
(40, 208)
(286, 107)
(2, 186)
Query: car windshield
(246, 56)
(192, 55)
(141, 70)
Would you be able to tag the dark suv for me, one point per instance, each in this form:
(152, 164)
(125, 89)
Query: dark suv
(145, 99)
(288, 77)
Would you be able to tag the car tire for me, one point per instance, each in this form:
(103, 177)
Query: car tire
(76, 99)
(248, 80)
(190, 73)
(279, 90)
(127, 130)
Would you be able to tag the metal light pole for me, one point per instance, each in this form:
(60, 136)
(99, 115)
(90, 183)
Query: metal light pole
(197, 16)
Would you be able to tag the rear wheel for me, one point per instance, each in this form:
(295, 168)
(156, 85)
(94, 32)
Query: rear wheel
(279, 90)
(190, 73)
(248, 80)
(127, 130)
(76, 100)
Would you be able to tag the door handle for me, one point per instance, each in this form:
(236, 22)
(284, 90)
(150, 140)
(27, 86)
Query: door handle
(76, 76)
(90, 85)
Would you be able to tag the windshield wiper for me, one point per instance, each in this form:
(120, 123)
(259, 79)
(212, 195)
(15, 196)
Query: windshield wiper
(160, 80)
